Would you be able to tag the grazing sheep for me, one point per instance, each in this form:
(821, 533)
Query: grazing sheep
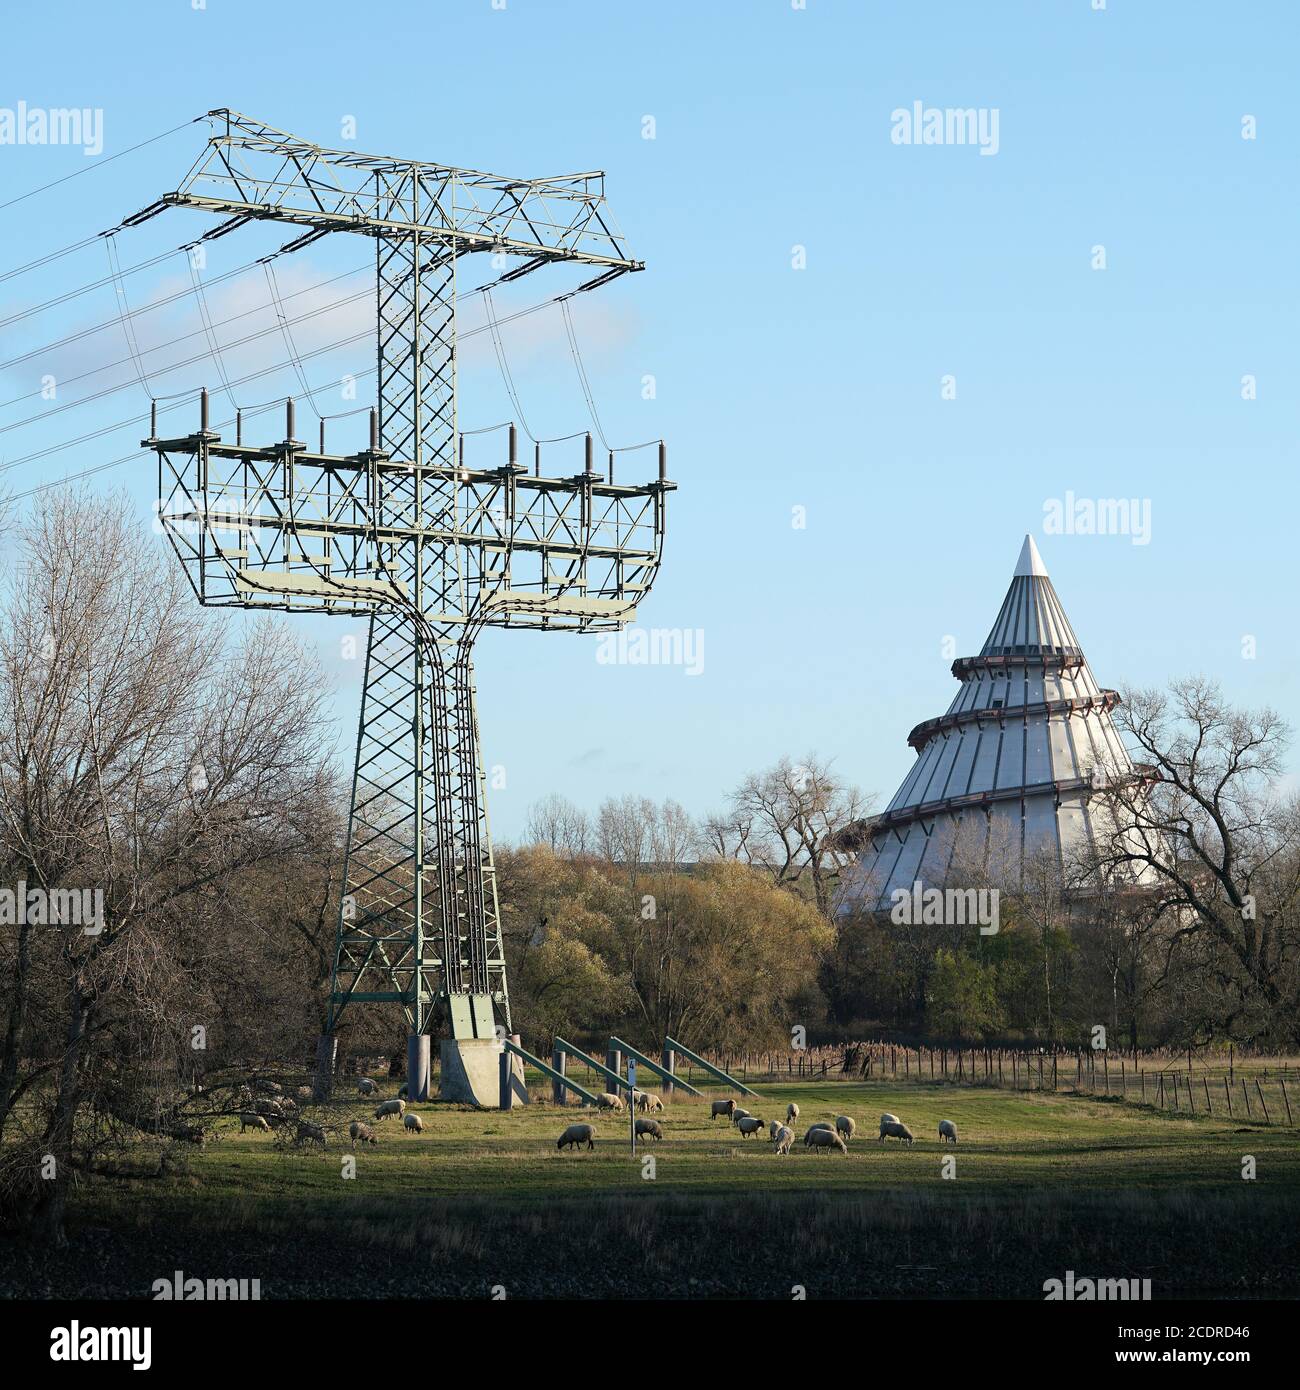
(390, 1107)
(575, 1136)
(774, 1127)
(821, 1124)
(247, 1121)
(947, 1130)
(738, 1114)
(784, 1137)
(266, 1105)
(751, 1124)
(791, 1113)
(896, 1130)
(361, 1133)
(650, 1127)
(609, 1101)
(721, 1107)
(366, 1087)
(845, 1125)
(310, 1132)
(888, 1119)
(824, 1139)
(647, 1100)
(413, 1122)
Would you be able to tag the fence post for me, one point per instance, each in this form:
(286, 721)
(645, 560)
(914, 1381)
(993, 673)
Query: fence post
(1208, 1105)
(1259, 1091)
(1105, 1070)
(1285, 1098)
(1227, 1091)
(1246, 1097)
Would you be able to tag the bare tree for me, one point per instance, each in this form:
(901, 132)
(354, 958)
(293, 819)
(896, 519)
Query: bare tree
(562, 827)
(790, 821)
(1202, 828)
(142, 761)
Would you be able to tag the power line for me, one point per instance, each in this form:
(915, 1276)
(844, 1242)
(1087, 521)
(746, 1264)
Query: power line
(98, 164)
(183, 337)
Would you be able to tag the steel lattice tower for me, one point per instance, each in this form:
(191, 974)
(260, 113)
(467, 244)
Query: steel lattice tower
(430, 550)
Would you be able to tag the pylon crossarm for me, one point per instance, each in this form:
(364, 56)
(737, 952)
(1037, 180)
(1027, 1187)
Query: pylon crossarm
(282, 526)
(253, 171)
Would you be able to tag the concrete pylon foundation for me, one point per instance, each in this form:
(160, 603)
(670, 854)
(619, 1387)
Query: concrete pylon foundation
(471, 1071)
(417, 1067)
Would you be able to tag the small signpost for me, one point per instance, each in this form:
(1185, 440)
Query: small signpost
(631, 1099)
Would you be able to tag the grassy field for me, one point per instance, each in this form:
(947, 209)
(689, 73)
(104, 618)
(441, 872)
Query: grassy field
(1042, 1183)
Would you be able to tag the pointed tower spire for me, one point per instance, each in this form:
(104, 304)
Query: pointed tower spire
(1030, 562)
(1008, 769)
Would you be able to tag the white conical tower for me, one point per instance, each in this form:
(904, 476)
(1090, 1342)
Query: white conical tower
(1008, 771)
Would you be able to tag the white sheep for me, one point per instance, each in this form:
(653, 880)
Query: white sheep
(252, 1122)
(650, 1127)
(751, 1124)
(647, 1100)
(947, 1130)
(722, 1107)
(390, 1107)
(308, 1131)
(413, 1122)
(774, 1127)
(845, 1125)
(608, 1101)
(738, 1114)
(784, 1137)
(575, 1136)
(895, 1129)
(824, 1139)
(361, 1133)
(366, 1087)
(791, 1113)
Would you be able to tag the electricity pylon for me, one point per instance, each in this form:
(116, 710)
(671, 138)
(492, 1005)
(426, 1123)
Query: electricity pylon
(433, 551)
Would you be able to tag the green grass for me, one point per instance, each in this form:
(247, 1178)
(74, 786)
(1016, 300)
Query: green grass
(1008, 1142)
(1043, 1183)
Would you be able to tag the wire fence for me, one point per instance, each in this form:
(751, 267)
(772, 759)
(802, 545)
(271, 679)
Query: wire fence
(1251, 1086)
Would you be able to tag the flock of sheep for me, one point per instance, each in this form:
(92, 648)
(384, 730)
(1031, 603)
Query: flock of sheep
(823, 1135)
(274, 1107)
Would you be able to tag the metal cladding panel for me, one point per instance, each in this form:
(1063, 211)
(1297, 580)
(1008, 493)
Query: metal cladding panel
(909, 859)
(943, 773)
(1030, 661)
(1038, 761)
(1011, 757)
(1064, 764)
(986, 757)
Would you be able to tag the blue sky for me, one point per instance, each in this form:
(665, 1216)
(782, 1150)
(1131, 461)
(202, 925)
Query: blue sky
(777, 388)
